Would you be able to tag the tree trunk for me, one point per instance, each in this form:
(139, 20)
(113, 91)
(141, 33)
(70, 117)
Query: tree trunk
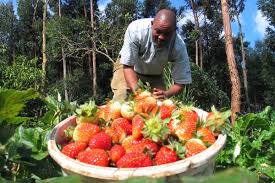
(44, 56)
(93, 48)
(64, 63)
(199, 53)
(84, 9)
(244, 65)
(234, 77)
(33, 27)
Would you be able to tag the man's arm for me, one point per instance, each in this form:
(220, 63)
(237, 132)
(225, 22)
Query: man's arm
(173, 90)
(130, 77)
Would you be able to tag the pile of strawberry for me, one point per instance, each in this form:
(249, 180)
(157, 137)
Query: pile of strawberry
(140, 132)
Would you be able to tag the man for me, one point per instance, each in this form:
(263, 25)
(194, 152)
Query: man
(148, 45)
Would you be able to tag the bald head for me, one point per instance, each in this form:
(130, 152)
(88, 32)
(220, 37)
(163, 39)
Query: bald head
(166, 16)
(163, 27)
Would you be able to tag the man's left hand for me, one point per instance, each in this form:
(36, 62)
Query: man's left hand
(159, 93)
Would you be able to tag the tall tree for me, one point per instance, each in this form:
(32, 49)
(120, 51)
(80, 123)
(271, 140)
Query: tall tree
(93, 47)
(44, 55)
(198, 43)
(30, 15)
(64, 63)
(238, 7)
(7, 32)
(151, 7)
(234, 77)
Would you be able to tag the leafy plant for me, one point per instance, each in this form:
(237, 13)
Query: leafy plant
(23, 149)
(203, 91)
(11, 103)
(251, 144)
(23, 74)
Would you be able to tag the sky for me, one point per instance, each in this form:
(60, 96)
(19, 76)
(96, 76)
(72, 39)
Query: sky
(252, 20)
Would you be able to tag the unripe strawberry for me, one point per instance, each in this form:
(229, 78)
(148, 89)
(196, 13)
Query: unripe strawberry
(127, 110)
(84, 132)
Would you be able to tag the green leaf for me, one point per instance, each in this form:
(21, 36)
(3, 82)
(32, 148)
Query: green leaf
(144, 180)
(67, 179)
(233, 175)
(12, 102)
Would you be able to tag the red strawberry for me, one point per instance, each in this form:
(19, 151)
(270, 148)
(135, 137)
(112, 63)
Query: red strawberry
(165, 112)
(117, 134)
(72, 149)
(84, 132)
(165, 155)
(110, 112)
(190, 116)
(134, 160)
(116, 152)
(97, 157)
(137, 126)
(124, 124)
(193, 147)
(141, 94)
(129, 141)
(144, 146)
(188, 124)
(100, 141)
(145, 105)
(207, 135)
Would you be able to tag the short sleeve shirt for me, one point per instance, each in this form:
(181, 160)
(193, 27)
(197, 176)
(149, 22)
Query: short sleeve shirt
(141, 52)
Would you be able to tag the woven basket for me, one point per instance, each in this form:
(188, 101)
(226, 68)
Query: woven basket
(200, 164)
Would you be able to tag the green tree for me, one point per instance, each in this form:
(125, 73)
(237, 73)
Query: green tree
(151, 7)
(29, 30)
(7, 32)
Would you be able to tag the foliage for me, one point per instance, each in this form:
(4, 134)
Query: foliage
(266, 70)
(23, 149)
(203, 91)
(23, 74)
(7, 32)
(11, 103)
(251, 144)
(234, 175)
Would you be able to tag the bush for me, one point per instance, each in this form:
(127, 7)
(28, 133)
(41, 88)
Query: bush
(23, 74)
(203, 92)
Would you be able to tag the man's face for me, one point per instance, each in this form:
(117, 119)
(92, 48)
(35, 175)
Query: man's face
(162, 32)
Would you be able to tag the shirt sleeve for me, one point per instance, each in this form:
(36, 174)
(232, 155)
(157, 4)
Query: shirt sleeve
(181, 72)
(129, 51)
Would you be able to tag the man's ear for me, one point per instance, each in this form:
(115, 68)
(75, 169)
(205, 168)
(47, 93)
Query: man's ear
(152, 22)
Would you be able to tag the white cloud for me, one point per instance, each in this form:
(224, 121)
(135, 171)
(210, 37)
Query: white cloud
(102, 4)
(261, 23)
(188, 15)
